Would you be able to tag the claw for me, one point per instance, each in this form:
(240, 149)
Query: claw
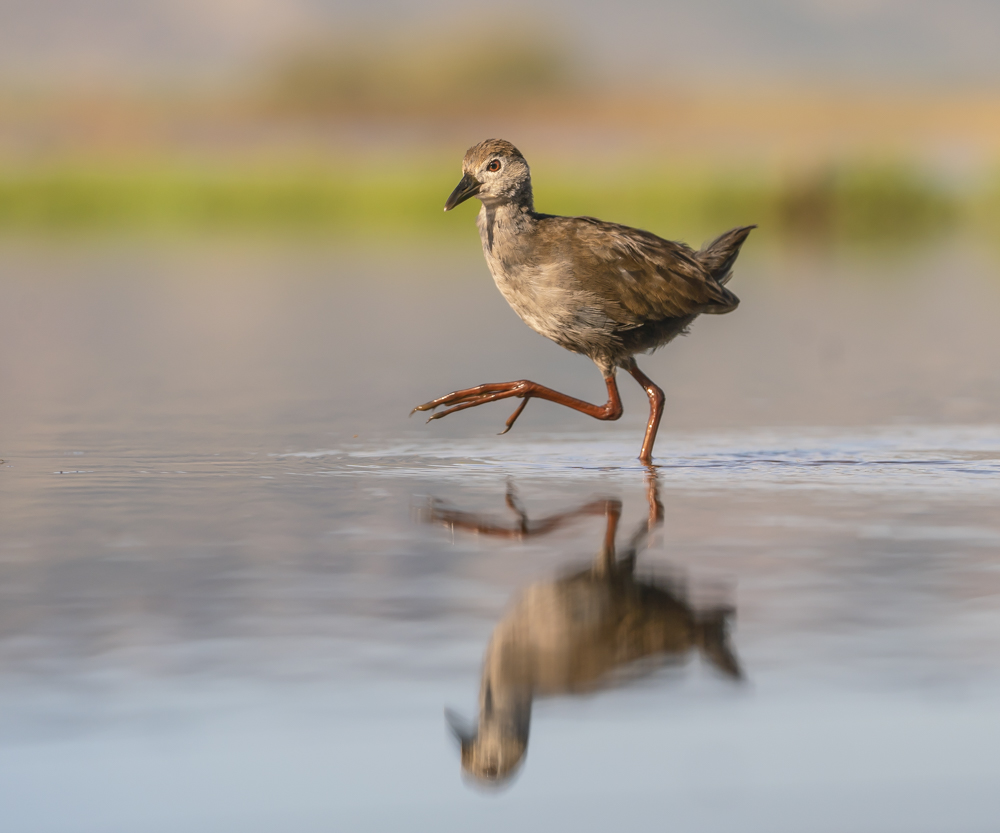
(513, 417)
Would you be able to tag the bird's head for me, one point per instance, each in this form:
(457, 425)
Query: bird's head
(493, 752)
(495, 172)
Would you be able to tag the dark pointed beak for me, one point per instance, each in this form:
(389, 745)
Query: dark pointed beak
(468, 187)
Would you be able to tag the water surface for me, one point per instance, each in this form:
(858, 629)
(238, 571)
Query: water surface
(224, 608)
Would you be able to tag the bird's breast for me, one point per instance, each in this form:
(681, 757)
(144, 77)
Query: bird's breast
(549, 301)
(542, 304)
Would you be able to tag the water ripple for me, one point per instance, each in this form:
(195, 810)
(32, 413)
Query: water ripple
(909, 457)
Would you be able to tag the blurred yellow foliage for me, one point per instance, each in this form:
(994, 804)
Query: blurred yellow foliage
(405, 74)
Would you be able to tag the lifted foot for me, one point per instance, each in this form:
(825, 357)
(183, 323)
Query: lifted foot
(459, 400)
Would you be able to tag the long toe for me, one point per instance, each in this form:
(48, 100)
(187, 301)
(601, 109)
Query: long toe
(451, 399)
(513, 417)
(476, 395)
(472, 400)
(447, 399)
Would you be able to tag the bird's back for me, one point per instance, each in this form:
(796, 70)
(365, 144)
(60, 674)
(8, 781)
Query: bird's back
(646, 289)
(648, 277)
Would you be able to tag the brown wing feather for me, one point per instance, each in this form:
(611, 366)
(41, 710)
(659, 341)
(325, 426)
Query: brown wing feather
(645, 277)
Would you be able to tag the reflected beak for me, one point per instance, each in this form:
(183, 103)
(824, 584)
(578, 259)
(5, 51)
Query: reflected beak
(468, 187)
(460, 728)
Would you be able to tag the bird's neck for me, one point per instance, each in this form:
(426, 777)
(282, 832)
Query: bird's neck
(501, 221)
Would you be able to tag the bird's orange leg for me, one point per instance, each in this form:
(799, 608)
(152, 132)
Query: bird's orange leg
(459, 400)
(656, 399)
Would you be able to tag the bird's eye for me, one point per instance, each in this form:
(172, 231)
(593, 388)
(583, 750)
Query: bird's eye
(494, 166)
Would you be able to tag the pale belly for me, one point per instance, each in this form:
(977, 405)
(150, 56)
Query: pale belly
(571, 317)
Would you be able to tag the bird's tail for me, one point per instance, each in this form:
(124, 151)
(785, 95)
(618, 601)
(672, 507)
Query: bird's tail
(712, 629)
(720, 255)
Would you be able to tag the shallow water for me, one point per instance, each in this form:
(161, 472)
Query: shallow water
(232, 597)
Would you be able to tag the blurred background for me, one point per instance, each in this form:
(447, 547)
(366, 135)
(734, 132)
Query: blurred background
(857, 121)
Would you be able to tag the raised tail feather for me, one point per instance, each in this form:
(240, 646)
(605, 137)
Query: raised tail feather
(713, 640)
(720, 255)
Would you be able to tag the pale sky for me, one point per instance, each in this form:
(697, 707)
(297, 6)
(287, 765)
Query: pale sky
(909, 41)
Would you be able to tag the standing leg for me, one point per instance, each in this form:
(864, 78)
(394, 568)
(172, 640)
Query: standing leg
(656, 399)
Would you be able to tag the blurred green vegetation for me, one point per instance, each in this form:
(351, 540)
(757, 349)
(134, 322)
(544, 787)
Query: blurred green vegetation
(865, 203)
(88, 198)
(859, 202)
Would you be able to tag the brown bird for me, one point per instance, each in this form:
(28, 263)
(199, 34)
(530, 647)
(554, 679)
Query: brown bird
(601, 289)
(584, 632)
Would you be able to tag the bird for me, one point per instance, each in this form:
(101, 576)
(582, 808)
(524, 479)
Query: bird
(581, 632)
(604, 290)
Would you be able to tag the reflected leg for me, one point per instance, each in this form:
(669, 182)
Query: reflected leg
(653, 520)
(484, 525)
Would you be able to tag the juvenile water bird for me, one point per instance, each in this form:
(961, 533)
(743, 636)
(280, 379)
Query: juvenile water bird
(601, 289)
(590, 630)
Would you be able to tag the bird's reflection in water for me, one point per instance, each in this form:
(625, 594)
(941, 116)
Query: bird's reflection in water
(594, 629)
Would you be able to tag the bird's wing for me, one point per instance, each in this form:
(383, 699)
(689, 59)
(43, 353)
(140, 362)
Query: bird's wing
(646, 277)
